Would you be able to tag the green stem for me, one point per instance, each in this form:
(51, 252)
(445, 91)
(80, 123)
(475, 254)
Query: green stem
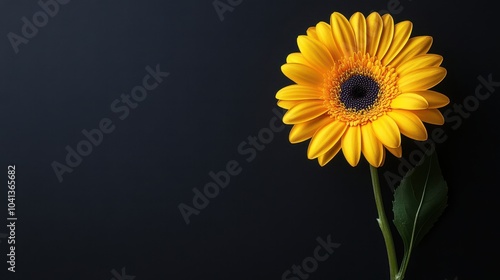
(404, 264)
(384, 224)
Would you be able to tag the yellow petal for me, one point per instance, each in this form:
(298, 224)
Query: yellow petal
(325, 138)
(304, 111)
(315, 52)
(421, 79)
(303, 131)
(383, 157)
(397, 152)
(434, 98)
(432, 116)
(386, 37)
(297, 58)
(371, 147)
(409, 124)
(422, 61)
(311, 32)
(302, 74)
(287, 104)
(374, 27)
(330, 154)
(298, 92)
(402, 32)
(343, 35)
(325, 36)
(416, 46)
(409, 101)
(358, 24)
(387, 131)
(351, 145)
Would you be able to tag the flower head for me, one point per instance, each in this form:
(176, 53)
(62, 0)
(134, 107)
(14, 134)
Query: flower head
(359, 84)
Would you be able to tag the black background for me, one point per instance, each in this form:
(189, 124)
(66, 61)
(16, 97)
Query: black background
(119, 207)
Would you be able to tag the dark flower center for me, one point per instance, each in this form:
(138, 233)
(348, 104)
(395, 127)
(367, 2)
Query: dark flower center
(359, 92)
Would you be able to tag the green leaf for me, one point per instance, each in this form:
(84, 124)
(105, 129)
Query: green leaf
(418, 202)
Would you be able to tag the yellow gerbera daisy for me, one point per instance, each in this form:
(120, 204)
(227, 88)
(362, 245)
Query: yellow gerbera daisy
(360, 84)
